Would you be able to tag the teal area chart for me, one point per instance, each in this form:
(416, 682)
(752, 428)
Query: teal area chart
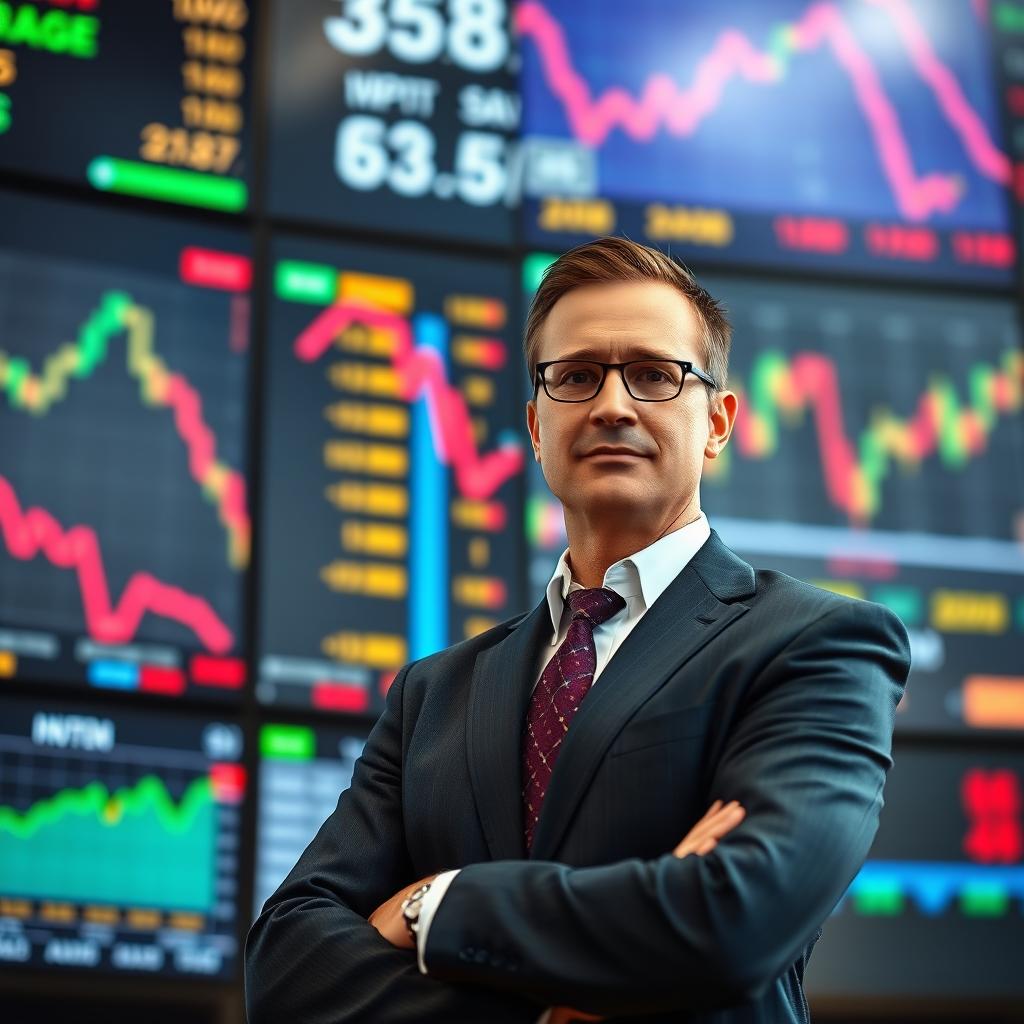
(119, 839)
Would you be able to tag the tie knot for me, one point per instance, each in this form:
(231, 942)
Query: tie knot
(597, 604)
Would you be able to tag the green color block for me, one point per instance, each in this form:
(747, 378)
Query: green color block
(879, 901)
(305, 282)
(532, 518)
(1008, 17)
(979, 900)
(287, 743)
(533, 269)
(167, 184)
(906, 602)
(17, 371)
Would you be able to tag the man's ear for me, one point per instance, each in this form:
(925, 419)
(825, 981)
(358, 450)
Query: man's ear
(533, 426)
(722, 419)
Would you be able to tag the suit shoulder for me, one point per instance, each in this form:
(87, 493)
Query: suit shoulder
(804, 603)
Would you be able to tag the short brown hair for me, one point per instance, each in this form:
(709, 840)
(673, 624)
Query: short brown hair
(611, 259)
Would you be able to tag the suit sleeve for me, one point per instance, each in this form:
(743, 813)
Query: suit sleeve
(312, 956)
(807, 757)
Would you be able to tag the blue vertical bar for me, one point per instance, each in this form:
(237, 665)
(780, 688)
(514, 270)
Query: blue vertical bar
(428, 512)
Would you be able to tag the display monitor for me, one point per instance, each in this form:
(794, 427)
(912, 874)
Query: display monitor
(878, 452)
(398, 117)
(120, 834)
(936, 912)
(838, 136)
(392, 468)
(303, 771)
(124, 511)
(142, 99)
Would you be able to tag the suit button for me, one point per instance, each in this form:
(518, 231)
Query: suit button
(497, 960)
(482, 956)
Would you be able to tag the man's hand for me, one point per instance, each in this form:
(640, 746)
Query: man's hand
(388, 920)
(704, 836)
(701, 839)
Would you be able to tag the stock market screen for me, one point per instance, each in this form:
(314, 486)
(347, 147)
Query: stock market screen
(936, 910)
(878, 452)
(876, 127)
(398, 116)
(142, 99)
(124, 519)
(303, 771)
(119, 839)
(393, 462)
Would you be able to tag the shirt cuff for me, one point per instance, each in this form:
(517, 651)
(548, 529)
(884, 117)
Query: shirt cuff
(428, 907)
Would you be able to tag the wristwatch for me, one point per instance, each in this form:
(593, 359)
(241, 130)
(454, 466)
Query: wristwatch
(411, 907)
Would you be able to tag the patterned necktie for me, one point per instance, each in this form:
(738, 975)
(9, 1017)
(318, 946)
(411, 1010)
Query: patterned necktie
(558, 695)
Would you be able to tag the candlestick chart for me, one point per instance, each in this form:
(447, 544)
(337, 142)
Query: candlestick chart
(124, 513)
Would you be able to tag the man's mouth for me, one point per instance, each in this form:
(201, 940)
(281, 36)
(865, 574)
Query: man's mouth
(613, 450)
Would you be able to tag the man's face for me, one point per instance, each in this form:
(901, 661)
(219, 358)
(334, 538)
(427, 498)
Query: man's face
(654, 451)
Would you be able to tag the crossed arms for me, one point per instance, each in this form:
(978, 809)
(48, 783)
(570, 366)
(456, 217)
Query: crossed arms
(807, 759)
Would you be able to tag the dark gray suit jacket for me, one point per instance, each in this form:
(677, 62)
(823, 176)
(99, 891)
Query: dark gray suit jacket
(735, 684)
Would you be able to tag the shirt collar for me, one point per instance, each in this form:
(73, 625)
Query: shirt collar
(645, 574)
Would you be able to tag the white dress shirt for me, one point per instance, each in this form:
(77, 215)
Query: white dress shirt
(640, 579)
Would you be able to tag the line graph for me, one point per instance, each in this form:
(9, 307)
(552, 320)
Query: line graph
(29, 532)
(863, 136)
(421, 372)
(159, 387)
(663, 105)
(125, 528)
(391, 410)
(859, 410)
(784, 388)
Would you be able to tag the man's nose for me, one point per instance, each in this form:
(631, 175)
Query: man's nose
(613, 403)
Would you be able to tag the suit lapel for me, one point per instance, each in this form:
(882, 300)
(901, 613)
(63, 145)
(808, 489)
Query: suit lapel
(689, 614)
(503, 678)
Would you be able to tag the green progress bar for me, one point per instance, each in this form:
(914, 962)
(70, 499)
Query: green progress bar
(879, 900)
(168, 184)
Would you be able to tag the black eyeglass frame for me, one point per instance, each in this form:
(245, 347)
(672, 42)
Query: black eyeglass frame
(684, 364)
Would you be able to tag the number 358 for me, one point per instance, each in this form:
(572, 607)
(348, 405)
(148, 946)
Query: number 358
(474, 38)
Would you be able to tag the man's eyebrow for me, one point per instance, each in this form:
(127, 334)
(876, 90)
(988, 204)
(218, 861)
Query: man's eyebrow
(639, 352)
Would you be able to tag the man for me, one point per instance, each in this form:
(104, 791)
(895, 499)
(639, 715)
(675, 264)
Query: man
(517, 807)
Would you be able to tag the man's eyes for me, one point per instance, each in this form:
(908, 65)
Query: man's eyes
(578, 376)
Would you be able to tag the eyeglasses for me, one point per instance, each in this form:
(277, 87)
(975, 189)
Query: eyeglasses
(646, 380)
